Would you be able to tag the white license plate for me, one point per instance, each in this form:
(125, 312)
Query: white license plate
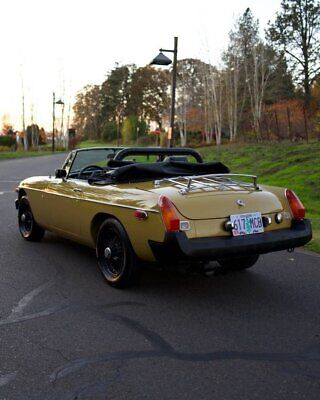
(246, 224)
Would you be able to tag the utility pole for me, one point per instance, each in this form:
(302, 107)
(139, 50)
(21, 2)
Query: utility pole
(53, 118)
(62, 121)
(68, 123)
(161, 59)
(25, 142)
(173, 90)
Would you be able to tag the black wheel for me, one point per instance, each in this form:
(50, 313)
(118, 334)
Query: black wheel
(28, 227)
(238, 263)
(116, 258)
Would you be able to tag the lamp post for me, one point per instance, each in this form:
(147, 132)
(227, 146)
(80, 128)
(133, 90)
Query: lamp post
(162, 59)
(54, 102)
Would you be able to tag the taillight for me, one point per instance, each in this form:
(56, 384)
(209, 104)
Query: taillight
(295, 204)
(169, 214)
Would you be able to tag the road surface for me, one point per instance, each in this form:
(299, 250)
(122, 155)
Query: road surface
(65, 334)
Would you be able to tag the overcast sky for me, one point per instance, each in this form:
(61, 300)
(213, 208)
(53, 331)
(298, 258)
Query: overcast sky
(63, 45)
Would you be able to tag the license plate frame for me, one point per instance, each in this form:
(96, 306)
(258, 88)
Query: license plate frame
(246, 224)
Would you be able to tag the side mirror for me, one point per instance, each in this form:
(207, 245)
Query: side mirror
(61, 173)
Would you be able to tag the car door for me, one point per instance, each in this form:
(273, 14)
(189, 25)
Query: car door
(63, 200)
(66, 196)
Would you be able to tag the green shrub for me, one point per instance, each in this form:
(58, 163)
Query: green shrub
(133, 129)
(147, 140)
(7, 141)
(109, 131)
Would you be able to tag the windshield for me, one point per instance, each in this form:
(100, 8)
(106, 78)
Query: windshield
(97, 157)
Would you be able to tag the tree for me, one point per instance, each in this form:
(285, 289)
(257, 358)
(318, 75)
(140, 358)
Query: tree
(88, 112)
(296, 32)
(281, 86)
(190, 97)
(212, 103)
(249, 64)
(241, 75)
(32, 135)
(115, 92)
(149, 94)
(232, 81)
(132, 129)
(109, 131)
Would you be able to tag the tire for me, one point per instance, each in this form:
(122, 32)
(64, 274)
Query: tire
(28, 227)
(238, 263)
(116, 258)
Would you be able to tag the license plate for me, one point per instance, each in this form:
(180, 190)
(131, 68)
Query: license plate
(246, 224)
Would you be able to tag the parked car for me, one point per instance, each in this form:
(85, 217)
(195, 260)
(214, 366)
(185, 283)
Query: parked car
(175, 208)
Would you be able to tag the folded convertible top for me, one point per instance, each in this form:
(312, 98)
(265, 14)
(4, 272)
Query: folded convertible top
(140, 172)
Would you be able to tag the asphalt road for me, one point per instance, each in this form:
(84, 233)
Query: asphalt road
(65, 334)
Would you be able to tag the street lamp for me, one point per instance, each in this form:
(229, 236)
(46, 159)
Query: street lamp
(162, 59)
(54, 102)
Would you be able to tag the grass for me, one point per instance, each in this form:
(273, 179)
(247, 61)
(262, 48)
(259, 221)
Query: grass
(7, 155)
(295, 166)
(95, 143)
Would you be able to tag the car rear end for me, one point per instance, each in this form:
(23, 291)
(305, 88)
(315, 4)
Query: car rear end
(209, 218)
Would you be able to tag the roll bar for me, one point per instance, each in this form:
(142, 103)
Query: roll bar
(161, 152)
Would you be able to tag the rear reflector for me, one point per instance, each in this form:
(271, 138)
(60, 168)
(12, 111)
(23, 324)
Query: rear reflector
(297, 208)
(141, 215)
(169, 214)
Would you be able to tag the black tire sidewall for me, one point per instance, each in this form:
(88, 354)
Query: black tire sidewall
(36, 233)
(129, 272)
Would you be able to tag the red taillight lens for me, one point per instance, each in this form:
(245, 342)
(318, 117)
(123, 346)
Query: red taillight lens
(169, 214)
(295, 204)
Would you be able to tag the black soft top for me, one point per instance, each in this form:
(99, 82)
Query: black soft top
(141, 172)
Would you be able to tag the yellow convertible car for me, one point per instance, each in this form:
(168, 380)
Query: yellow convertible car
(160, 205)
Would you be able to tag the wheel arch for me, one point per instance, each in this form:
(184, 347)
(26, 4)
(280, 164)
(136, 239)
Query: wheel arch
(21, 193)
(97, 221)
(139, 243)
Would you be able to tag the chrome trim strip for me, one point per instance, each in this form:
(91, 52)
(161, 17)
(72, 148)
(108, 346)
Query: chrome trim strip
(96, 201)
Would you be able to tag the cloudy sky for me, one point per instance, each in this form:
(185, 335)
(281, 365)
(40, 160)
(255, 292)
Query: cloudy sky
(63, 45)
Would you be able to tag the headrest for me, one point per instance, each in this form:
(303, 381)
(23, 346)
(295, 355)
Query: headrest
(176, 159)
(119, 163)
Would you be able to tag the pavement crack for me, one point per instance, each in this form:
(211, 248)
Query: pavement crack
(77, 364)
(162, 348)
(46, 347)
(152, 337)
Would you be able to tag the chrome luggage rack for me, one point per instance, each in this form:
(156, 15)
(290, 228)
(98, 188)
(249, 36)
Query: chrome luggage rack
(188, 184)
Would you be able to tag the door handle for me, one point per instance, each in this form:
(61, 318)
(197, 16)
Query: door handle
(77, 190)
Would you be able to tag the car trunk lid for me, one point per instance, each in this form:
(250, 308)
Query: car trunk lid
(218, 203)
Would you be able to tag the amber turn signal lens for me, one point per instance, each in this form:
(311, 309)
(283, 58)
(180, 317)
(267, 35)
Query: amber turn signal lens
(169, 214)
(297, 208)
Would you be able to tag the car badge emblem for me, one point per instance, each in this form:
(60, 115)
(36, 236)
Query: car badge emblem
(241, 203)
